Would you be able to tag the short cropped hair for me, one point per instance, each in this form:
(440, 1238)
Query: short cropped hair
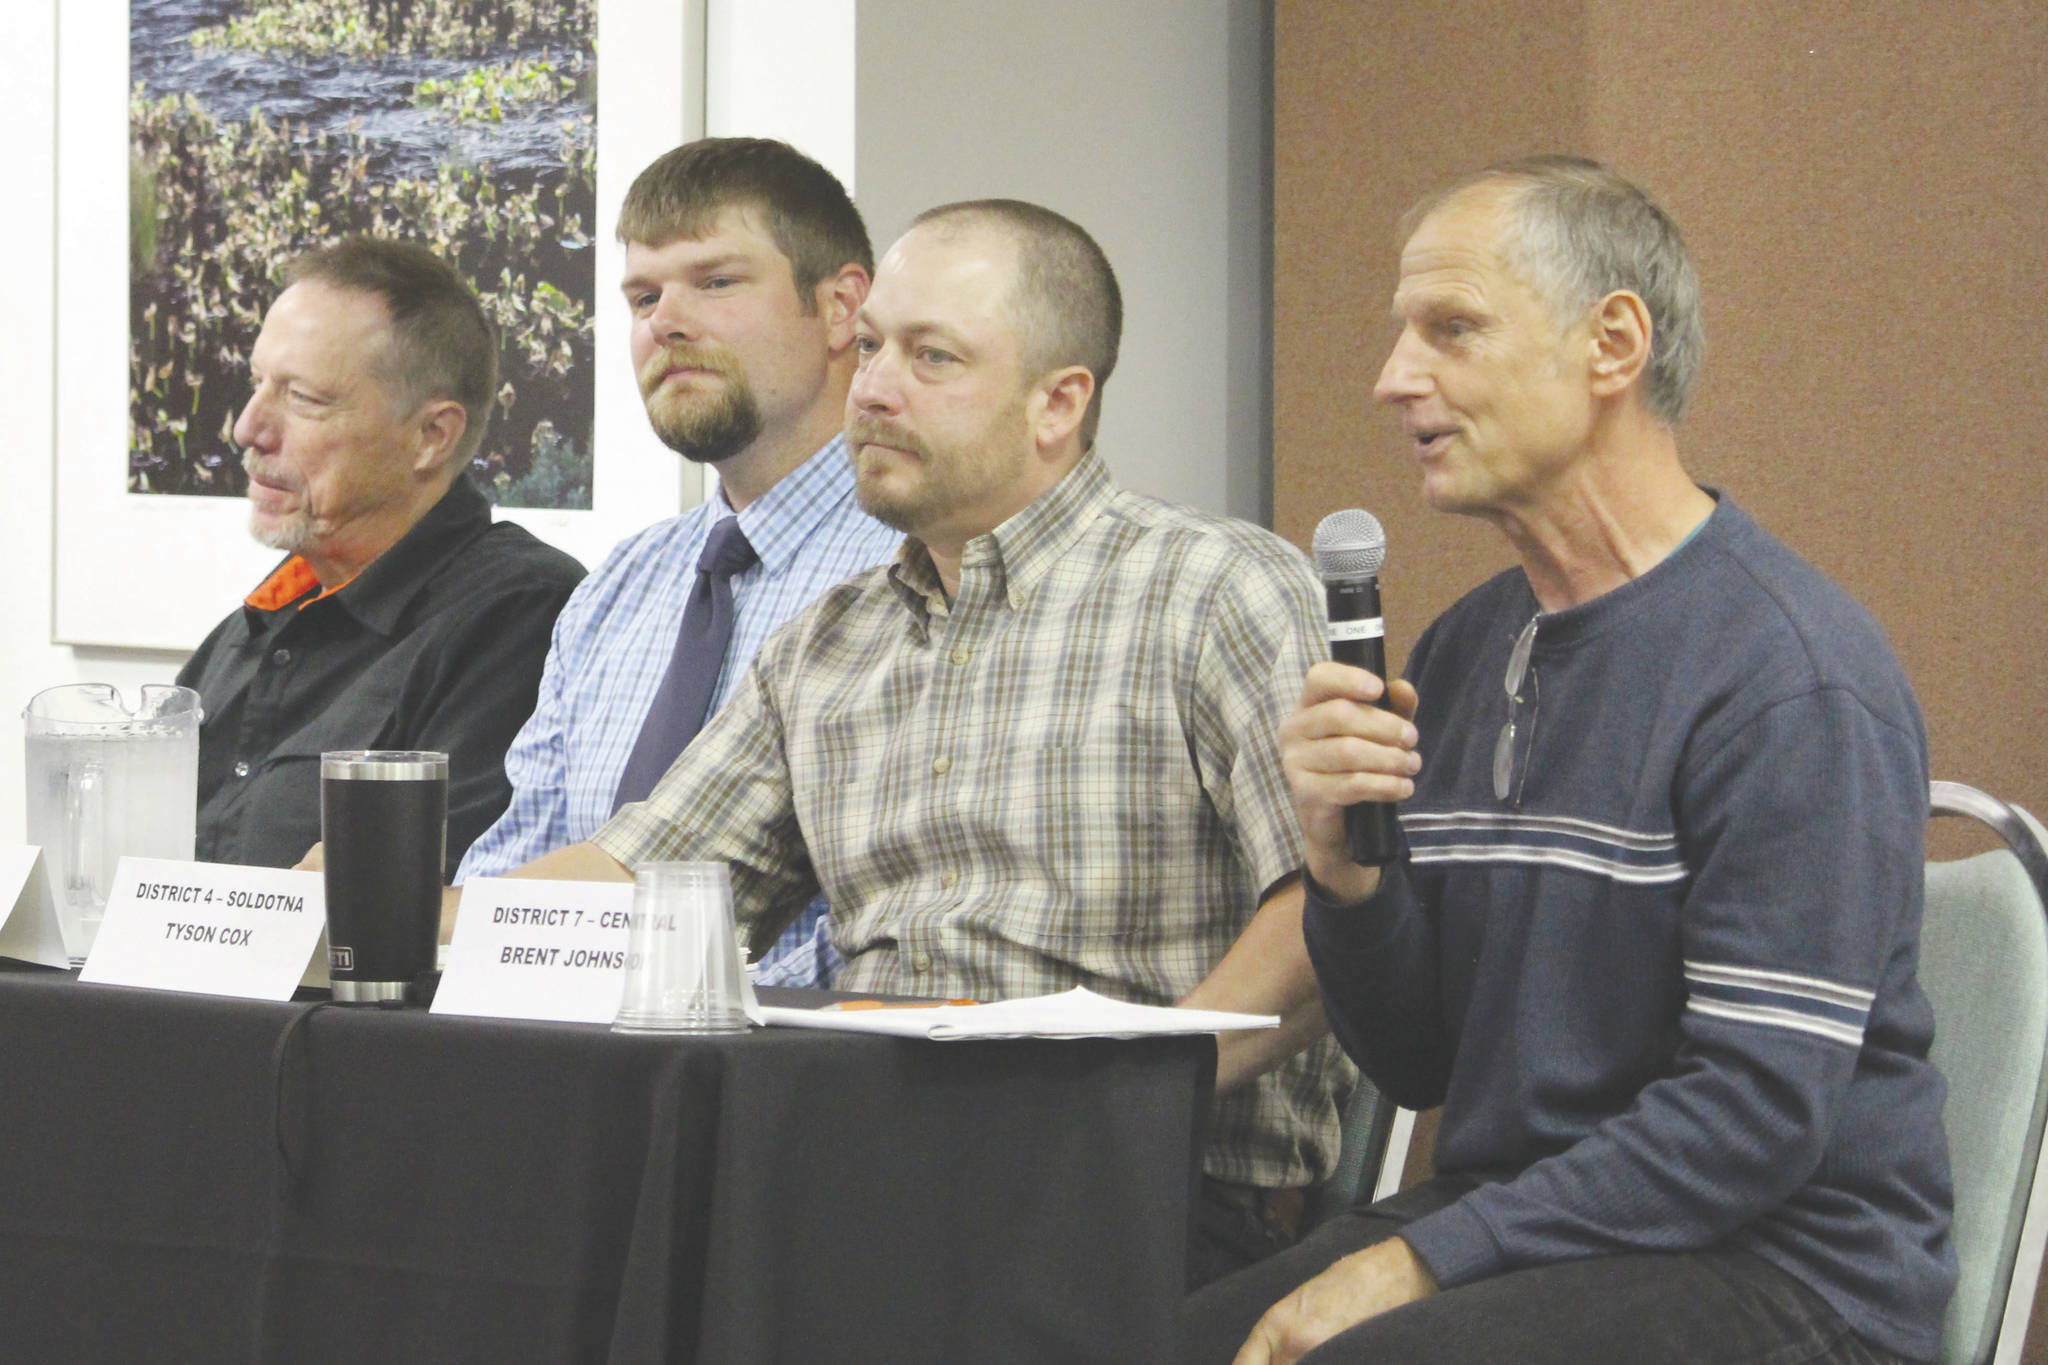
(1068, 308)
(439, 343)
(1577, 232)
(806, 210)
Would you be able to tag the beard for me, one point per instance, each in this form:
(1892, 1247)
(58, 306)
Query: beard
(291, 533)
(953, 477)
(706, 428)
(291, 536)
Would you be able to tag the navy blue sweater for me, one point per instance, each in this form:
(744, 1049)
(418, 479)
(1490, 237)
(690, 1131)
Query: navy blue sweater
(1665, 992)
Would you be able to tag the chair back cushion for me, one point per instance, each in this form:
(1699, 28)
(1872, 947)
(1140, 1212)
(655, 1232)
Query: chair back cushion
(1984, 966)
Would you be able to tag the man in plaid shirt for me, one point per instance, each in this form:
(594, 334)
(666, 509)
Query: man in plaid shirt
(1038, 750)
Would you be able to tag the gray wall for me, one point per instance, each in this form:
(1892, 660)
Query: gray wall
(1147, 122)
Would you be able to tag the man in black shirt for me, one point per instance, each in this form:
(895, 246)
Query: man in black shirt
(402, 618)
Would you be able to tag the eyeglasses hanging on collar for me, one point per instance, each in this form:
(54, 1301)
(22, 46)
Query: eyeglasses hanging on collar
(1520, 679)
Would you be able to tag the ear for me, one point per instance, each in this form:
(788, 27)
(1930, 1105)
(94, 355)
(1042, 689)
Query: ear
(1058, 403)
(1621, 337)
(837, 298)
(441, 424)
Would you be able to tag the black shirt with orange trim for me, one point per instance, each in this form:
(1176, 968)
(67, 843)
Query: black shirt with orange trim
(438, 644)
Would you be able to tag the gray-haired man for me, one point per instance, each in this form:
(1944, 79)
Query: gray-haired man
(1651, 941)
(403, 617)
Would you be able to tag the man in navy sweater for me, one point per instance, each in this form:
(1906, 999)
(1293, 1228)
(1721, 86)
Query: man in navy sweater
(1651, 939)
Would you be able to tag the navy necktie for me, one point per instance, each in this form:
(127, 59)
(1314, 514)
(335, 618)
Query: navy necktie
(684, 697)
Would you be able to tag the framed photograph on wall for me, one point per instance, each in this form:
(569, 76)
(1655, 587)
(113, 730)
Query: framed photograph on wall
(201, 142)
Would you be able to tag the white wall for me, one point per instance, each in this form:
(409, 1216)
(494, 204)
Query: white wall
(783, 69)
(1144, 121)
(28, 458)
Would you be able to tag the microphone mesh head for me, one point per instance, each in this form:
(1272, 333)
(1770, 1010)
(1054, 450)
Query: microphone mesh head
(1349, 545)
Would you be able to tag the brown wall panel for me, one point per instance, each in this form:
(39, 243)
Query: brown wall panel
(1863, 186)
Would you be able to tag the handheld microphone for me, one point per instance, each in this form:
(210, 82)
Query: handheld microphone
(1349, 548)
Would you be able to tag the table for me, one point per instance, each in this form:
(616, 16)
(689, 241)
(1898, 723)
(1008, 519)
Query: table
(189, 1178)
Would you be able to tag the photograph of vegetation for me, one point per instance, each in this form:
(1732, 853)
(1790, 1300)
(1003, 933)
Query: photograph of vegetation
(261, 128)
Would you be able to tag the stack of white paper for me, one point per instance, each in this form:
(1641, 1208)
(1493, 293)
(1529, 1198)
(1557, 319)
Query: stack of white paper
(1078, 1013)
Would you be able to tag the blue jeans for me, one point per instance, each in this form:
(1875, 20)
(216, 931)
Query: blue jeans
(1722, 1306)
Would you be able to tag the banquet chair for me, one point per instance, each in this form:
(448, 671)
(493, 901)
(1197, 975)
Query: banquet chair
(1373, 1127)
(1984, 967)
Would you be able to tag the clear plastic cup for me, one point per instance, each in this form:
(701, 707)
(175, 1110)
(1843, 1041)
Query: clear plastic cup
(683, 972)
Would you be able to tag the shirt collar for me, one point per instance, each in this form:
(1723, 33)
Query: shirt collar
(916, 579)
(288, 582)
(379, 595)
(1020, 550)
(1041, 535)
(781, 521)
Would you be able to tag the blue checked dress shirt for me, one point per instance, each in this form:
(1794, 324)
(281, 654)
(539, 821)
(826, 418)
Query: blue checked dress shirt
(612, 644)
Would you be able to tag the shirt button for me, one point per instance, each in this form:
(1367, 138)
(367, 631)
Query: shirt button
(942, 765)
(281, 657)
(961, 654)
(923, 962)
(949, 879)
(242, 768)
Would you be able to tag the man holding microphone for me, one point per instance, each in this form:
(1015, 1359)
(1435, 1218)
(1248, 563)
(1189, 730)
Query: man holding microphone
(1650, 938)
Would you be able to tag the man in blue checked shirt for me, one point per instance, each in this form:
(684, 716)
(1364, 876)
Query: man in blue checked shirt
(1651, 939)
(745, 262)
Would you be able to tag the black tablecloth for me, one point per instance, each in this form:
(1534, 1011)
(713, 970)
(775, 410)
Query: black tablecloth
(185, 1178)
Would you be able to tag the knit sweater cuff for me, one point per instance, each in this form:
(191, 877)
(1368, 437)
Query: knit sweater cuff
(1455, 1244)
(1361, 925)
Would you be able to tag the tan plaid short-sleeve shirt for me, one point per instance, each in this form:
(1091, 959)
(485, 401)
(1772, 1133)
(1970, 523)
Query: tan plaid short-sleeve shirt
(1067, 775)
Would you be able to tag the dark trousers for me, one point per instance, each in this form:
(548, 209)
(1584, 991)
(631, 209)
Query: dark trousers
(1237, 1226)
(1716, 1307)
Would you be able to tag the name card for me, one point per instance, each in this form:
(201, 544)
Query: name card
(29, 930)
(528, 949)
(208, 928)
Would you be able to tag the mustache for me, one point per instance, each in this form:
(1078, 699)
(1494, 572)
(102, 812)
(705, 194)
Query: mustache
(880, 431)
(276, 478)
(682, 357)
